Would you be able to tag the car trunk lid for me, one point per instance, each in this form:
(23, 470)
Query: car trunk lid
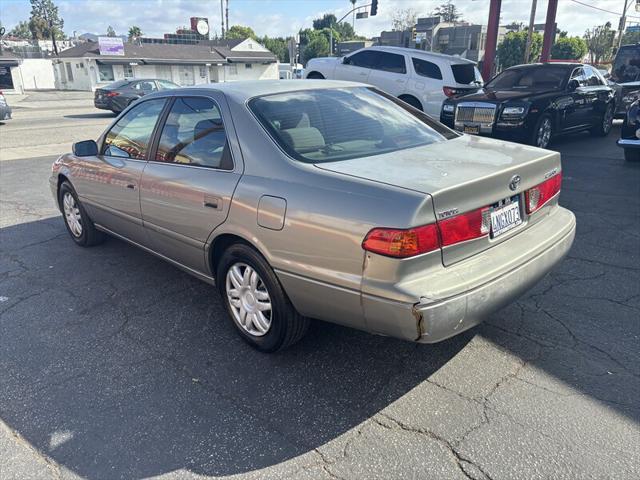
(461, 175)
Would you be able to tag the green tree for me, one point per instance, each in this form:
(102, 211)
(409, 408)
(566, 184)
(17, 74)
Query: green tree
(278, 46)
(569, 48)
(511, 50)
(317, 47)
(241, 32)
(44, 22)
(404, 19)
(134, 32)
(600, 42)
(327, 21)
(21, 30)
(110, 31)
(448, 12)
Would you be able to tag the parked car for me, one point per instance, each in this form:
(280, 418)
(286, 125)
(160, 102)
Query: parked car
(119, 95)
(625, 77)
(5, 109)
(630, 133)
(533, 103)
(322, 199)
(422, 79)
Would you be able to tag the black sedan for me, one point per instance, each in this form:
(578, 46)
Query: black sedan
(533, 103)
(630, 133)
(119, 95)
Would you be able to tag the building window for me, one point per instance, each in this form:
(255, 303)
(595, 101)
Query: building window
(69, 72)
(247, 65)
(203, 71)
(105, 73)
(128, 71)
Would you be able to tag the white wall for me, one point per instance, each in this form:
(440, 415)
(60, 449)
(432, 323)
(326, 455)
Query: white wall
(37, 74)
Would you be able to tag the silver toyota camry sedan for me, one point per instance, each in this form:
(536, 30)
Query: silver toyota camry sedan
(321, 199)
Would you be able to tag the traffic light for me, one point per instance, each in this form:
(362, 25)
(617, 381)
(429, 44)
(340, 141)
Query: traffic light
(374, 7)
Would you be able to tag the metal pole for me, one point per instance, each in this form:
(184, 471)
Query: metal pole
(549, 30)
(222, 18)
(492, 38)
(532, 18)
(623, 20)
(227, 15)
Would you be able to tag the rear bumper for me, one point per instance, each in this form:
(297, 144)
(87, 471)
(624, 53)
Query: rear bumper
(477, 287)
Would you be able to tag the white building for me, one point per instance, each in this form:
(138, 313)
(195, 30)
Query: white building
(83, 68)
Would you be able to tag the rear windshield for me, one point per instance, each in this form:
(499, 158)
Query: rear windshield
(466, 73)
(626, 66)
(326, 125)
(540, 78)
(118, 84)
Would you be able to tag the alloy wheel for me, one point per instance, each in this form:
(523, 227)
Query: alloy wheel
(544, 133)
(248, 299)
(72, 214)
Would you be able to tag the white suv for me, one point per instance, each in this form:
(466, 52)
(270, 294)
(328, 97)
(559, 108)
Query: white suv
(422, 79)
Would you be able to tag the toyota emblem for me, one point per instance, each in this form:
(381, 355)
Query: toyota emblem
(514, 183)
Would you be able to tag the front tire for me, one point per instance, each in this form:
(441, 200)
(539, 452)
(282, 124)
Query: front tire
(316, 76)
(79, 225)
(543, 132)
(603, 127)
(256, 302)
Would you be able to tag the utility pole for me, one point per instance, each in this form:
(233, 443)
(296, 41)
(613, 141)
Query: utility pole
(532, 18)
(222, 18)
(549, 30)
(623, 20)
(227, 15)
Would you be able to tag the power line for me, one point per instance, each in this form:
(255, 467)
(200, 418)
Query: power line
(602, 9)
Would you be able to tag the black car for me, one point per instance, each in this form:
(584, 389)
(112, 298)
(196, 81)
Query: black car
(119, 95)
(625, 77)
(630, 133)
(533, 103)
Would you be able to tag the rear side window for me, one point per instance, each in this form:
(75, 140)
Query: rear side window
(130, 136)
(466, 73)
(390, 62)
(194, 135)
(426, 69)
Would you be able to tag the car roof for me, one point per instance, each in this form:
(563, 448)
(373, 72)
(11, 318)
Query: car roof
(420, 53)
(246, 89)
(548, 64)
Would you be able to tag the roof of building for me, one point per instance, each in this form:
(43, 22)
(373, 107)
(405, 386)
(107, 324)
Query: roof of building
(155, 53)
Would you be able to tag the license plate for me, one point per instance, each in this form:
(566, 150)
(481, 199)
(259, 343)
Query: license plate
(472, 129)
(505, 218)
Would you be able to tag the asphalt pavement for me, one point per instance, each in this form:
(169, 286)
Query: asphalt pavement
(114, 364)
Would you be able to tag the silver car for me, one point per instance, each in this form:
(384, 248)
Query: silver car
(321, 199)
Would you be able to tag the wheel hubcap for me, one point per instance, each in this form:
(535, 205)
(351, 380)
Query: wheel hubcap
(72, 214)
(544, 133)
(249, 299)
(608, 120)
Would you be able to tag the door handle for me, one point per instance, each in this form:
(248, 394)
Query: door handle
(212, 202)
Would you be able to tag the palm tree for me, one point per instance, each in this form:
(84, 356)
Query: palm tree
(134, 32)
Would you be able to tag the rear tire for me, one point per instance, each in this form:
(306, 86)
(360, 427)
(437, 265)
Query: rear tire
(413, 101)
(603, 127)
(80, 227)
(256, 302)
(632, 155)
(315, 76)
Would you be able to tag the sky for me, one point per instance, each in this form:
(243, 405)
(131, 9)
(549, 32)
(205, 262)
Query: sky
(286, 17)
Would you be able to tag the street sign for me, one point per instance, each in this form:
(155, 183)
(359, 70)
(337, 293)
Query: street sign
(362, 15)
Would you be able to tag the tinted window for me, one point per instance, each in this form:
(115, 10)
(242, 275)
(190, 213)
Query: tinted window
(592, 76)
(426, 69)
(194, 134)
(130, 136)
(337, 124)
(626, 66)
(364, 59)
(530, 78)
(466, 73)
(146, 86)
(578, 74)
(390, 62)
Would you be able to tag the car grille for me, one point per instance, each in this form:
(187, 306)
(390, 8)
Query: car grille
(476, 113)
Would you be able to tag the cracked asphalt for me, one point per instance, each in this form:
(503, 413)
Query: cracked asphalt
(114, 364)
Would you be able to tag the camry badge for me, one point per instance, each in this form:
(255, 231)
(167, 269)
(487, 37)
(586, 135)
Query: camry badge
(514, 183)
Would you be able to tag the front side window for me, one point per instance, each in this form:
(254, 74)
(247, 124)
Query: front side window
(579, 76)
(146, 86)
(365, 59)
(426, 69)
(194, 135)
(592, 77)
(105, 73)
(326, 125)
(130, 136)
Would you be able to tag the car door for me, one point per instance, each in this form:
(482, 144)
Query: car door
(597, 94)
(188, 184)
(389, 73)
(577, 111)
(109, 183)
(356, 67)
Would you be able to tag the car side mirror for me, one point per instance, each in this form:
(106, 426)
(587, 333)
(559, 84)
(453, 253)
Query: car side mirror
(86, 148)
(573, 85)
(345, 60)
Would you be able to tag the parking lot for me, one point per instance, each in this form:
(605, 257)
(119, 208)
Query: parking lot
(114, 364)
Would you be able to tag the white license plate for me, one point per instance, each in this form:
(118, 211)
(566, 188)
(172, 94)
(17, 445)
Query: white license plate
(505, 218)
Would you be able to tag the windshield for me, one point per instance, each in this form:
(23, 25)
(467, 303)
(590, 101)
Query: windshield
(338, 124)
(466, 73)
(548, 77)
(626, 66)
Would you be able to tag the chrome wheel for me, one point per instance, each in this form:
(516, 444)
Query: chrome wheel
(543, 135)
(607, 120)
(72, 214)
(248, 299)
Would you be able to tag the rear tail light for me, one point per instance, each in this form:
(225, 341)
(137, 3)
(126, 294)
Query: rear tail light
(449, 92)
(402, 243)
(537, 196)
(470, 225)
(112, 94)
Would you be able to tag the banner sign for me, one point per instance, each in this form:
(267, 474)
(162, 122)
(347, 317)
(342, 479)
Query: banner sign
(111, 46)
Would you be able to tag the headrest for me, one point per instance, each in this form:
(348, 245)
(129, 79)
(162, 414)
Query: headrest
(302, 140)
